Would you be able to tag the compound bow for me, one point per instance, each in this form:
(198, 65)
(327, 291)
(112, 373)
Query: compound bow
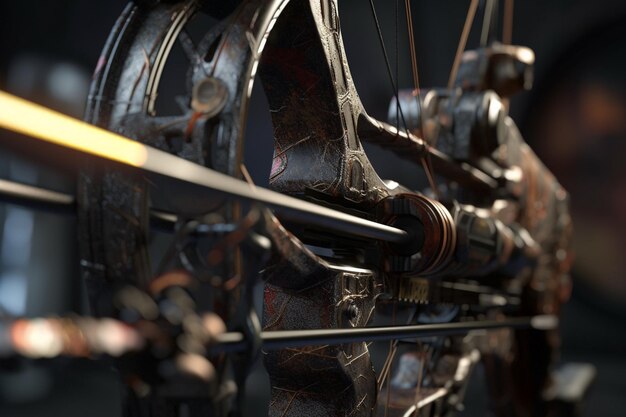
(476, 263)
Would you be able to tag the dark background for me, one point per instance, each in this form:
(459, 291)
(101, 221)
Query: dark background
(575, 118)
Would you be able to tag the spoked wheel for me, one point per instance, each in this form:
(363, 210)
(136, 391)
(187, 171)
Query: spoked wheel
(119, 247)
(296, 50)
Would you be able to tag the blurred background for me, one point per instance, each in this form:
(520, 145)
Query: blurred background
(575, 118)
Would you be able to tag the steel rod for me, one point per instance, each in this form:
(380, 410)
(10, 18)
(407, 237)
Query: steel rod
(273, 340)
(43, 199)
(62, 336)
(36, 197)
(47, 125)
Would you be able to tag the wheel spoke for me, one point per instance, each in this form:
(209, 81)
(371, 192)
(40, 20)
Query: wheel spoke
(188, 47)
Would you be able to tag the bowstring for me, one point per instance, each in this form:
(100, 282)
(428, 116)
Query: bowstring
(391, 353)
(397, 13)
(490, 8)
(507, 34)
(507, 26)
(393, 345)
(393, 83)
(469, 20)
(409, 25)
(424, 355)
(425, 158)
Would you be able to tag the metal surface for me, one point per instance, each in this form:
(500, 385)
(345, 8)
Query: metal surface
(488, 245)
(282, 339)
(111, 146)
(61, 341)
(36, 197)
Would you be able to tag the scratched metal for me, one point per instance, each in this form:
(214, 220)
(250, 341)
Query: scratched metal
(305, 292)
(319, 123)
(544, 211)
(315, 109)
(114, 206)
